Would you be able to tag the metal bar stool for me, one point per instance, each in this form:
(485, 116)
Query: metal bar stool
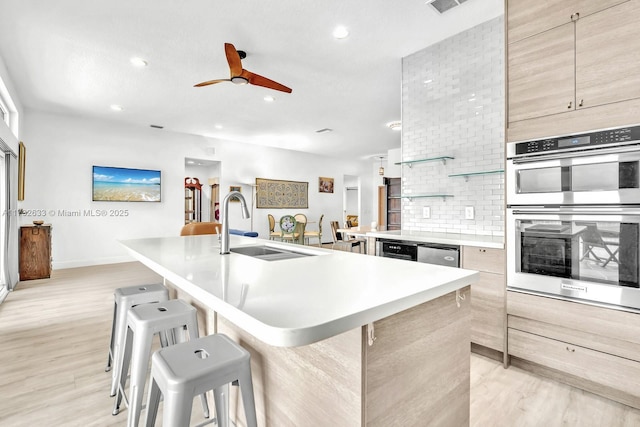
(143, 322)
(123, 300)
(182, 371)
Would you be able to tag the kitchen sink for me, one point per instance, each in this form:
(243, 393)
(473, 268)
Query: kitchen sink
(268, 253)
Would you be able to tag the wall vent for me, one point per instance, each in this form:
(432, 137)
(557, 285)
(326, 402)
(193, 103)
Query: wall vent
(443, 5)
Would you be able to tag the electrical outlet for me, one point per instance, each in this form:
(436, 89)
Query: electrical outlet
(468, 212)
(426, 212)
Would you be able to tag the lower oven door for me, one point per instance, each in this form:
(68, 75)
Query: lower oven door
(590, 254)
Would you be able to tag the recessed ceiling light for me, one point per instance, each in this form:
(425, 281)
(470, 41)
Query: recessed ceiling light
(115, 107)
(395, 125)
(269, 98)
(139, 62)
(428, 81)
(217, 126)
(340, 32)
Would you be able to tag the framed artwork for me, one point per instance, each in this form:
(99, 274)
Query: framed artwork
(22, 162)
(235, 188)
(325, 185)
(112, 184)
(278, 194)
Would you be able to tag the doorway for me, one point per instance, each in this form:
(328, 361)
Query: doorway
(207, 173)
(351, 199)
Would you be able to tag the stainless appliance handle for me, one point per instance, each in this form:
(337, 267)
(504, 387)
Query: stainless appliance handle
(573, 154)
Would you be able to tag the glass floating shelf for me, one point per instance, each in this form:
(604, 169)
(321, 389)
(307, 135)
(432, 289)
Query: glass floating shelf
(469, 174)
(421, 196)
(410, 163)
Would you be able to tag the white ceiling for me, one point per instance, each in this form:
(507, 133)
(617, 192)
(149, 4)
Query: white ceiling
(72, 57)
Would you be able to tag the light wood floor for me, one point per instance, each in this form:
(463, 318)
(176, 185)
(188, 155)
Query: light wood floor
(53, 343)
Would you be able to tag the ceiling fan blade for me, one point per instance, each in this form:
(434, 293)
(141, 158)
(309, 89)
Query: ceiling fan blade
(258, 80)
(211, 82)
(233, 58)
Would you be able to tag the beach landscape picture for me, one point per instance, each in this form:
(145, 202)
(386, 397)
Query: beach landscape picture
(113, 184)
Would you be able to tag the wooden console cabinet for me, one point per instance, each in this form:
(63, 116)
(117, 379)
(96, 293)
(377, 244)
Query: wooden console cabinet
(35, 252)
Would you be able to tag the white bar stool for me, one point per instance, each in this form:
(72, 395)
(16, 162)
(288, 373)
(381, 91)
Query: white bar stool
(123, 300)
(143, 322)
(182, 371)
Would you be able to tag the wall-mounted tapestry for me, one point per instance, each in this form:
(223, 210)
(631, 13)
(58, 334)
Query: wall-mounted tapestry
(277, 194)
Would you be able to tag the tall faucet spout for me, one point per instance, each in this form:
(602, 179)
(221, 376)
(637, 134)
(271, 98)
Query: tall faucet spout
(224, 238)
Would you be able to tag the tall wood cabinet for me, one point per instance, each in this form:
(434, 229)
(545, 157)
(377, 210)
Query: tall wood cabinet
(35, 252)
(394, 203)
(192, 200)
(571, 64)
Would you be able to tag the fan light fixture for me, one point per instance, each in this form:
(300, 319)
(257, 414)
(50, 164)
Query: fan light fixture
(395, 125)
(381, 170)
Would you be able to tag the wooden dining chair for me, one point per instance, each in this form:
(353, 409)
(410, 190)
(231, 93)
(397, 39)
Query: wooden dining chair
(340, 241)
(273, 234)
(300, 217)
(290, 229)
(312, 234)
(195, 228)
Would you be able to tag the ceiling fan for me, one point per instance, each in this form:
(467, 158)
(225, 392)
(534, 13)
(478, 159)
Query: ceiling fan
(241, 76)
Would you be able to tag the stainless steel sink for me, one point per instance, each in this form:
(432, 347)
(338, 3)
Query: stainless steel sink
(268, 253)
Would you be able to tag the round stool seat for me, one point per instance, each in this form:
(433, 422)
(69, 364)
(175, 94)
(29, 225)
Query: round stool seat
(185, 370)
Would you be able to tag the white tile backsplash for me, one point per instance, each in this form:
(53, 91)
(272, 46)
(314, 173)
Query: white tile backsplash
(453, 105)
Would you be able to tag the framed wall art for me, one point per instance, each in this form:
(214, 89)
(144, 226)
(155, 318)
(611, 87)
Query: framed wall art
(325, 185)
(278, 194)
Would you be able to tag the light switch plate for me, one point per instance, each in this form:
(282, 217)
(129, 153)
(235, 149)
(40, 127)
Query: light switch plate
(426, 212)
(468, 212)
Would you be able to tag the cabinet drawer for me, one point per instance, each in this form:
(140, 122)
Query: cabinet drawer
(614, 324)
(596, 367)
(483, 259)
(487, 311)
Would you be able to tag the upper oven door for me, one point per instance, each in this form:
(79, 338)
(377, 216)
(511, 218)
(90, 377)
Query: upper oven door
(595, 177)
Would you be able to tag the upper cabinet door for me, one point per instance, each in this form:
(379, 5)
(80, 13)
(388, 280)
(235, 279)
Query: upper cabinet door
(526, 17)
(608, 56)
(541, 74)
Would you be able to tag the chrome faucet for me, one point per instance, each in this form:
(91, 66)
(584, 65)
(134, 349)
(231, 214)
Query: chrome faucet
(224, 241)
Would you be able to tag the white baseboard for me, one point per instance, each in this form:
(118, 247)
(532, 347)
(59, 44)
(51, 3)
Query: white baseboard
(90, 262)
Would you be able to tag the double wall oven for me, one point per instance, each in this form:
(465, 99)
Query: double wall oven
(573, 217)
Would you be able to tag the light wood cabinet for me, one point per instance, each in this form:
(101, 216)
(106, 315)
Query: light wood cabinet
(487, 296)
(559, 68)
(593, 348)
(35, 252)
(526, 18)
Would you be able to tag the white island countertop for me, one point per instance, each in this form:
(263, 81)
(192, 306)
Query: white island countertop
(298, 301)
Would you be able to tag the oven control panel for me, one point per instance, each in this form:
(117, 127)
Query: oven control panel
(596, 138)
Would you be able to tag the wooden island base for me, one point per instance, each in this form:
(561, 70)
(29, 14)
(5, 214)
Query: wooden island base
(416, 373)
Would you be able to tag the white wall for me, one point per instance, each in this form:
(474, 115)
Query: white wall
(61, 150)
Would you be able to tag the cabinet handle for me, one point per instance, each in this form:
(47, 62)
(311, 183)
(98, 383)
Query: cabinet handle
(572, 350)
(575, 16)
(569, 105)
(581, 103)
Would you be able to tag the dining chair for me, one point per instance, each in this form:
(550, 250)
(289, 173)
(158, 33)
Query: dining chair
(592, 238)
(312, 234)
(273, 234)
(290, 229)
(300, 217)
(195, 228)
(339, 240)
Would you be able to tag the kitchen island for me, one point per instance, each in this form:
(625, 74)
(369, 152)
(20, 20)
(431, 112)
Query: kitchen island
(336, 338)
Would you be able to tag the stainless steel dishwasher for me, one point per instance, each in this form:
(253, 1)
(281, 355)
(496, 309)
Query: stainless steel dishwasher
(432, 253)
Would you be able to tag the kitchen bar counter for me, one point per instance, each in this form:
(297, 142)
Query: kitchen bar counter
(297, 301)
(496, 242)
(338, 338)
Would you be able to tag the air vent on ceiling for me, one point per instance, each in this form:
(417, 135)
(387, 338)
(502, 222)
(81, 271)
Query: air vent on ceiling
(443, 5)
(157, 126)
(324, 130)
